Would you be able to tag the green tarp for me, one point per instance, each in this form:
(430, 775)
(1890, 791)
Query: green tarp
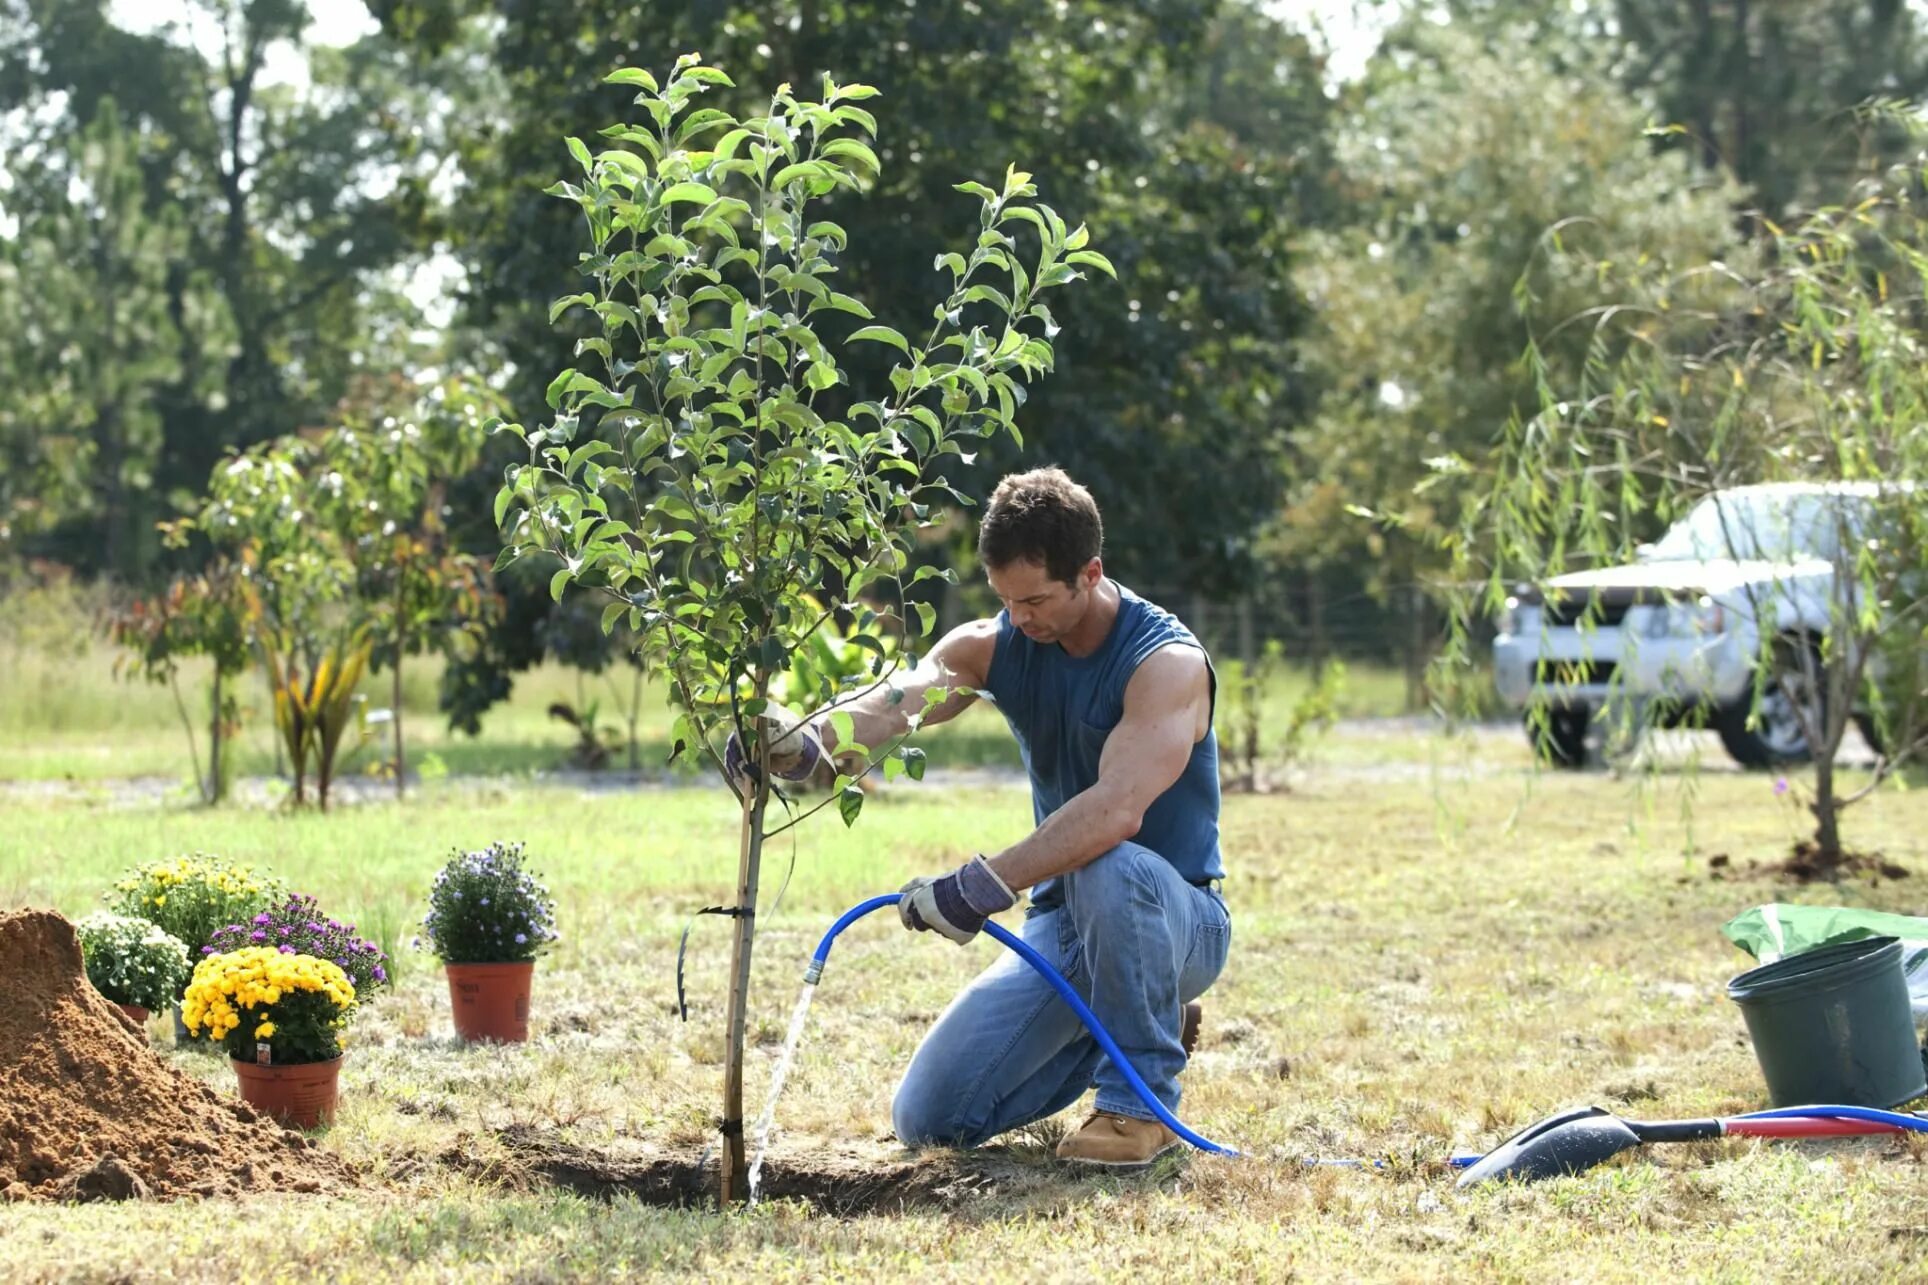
(1771, 931)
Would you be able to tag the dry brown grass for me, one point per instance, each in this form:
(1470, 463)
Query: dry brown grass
(1410, 975)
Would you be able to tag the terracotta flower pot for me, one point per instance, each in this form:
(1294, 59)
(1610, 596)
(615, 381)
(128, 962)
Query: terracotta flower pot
(491, 1001)
(135, 1013)
(300, 1095)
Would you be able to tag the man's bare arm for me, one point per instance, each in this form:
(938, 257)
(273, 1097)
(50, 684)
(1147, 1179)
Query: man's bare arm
(960, 663)
(1167, 712)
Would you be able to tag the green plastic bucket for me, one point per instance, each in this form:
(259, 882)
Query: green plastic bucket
(1833, 1025)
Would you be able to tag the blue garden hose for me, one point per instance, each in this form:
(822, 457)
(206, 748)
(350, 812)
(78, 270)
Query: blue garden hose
(1059, 984)
(814, 973)
(1873, 1115)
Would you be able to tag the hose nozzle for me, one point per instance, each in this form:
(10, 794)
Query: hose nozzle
(813, 974)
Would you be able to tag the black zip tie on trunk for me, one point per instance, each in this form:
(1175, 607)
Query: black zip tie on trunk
(682, 948)
(734, 912)
(730, 1128)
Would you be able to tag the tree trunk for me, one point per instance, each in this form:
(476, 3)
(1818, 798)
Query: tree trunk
(116, 556)
(633, 714)
(395, 713)
(1319, 646)
(267, 681)
(1741, 162)
(217, 778)
(111, 433)
(1705, 55)
(1248, 654)
(401, 754)
(1415, 648)
(1827, 814)
(735, 1171)
(180, 706)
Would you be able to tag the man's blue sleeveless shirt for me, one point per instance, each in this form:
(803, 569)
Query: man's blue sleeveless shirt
(1062, 707)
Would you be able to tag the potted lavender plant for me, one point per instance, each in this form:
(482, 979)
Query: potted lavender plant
(488, 919)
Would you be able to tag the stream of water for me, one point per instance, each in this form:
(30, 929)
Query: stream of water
(797, 1018)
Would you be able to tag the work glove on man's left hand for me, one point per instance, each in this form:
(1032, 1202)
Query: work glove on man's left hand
(956, 904)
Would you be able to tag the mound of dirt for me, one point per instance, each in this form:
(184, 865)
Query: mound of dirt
(89, 1112)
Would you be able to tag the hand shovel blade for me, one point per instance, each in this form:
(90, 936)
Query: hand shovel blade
(1568, 1143)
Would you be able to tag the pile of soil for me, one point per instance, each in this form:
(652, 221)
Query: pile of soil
(89, 1112)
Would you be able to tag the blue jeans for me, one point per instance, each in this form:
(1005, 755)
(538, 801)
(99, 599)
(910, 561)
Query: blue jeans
(1136, 942)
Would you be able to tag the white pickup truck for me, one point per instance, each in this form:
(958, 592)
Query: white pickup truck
(1679, 632)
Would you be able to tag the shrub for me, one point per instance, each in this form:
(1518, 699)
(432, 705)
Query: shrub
(297, 926)
(297, 1005)
(131, 961)
(486, 909)
(193, 896)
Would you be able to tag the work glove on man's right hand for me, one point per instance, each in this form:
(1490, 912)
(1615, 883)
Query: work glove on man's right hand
(956, 904)
(795, 750)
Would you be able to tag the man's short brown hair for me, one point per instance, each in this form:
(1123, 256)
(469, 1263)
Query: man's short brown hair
(1043, 517)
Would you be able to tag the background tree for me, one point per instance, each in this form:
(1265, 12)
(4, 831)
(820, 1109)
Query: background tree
(1768, 91)
(96, 333)
(1462, 164)
(1812, 374)
(293, 204)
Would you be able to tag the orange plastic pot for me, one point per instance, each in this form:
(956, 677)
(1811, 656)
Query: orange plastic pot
(491, 1001)
(301, 1095)
(135, 1013)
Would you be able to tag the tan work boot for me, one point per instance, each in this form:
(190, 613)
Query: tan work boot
(1117, 1141)
(1188, 1027)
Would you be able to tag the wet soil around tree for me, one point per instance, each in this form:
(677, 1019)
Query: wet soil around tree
(843, 1180)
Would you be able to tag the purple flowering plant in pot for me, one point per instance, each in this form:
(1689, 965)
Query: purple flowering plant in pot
(298, 926)
(488, 919)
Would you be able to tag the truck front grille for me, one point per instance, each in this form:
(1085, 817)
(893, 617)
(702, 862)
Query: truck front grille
(1603, 611)
(1563, 673)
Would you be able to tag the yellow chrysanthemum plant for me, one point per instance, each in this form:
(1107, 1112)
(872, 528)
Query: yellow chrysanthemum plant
(191, 897)
(266, 1007)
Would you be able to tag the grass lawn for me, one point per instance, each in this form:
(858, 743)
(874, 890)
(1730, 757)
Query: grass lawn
(67, 715)
(1421, 962)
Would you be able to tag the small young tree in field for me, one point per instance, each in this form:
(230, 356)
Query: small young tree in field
(263, 513)
(204, 614)
(707, 466)
(1809, 369)
(382, 490)
(328, 560)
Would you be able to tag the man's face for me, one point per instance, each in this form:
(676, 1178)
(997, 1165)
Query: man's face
(1044, 608)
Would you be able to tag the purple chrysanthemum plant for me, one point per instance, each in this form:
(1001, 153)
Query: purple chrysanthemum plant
(298, 926)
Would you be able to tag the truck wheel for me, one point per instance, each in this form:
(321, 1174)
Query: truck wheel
(1793, 700)
(1563, 742)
